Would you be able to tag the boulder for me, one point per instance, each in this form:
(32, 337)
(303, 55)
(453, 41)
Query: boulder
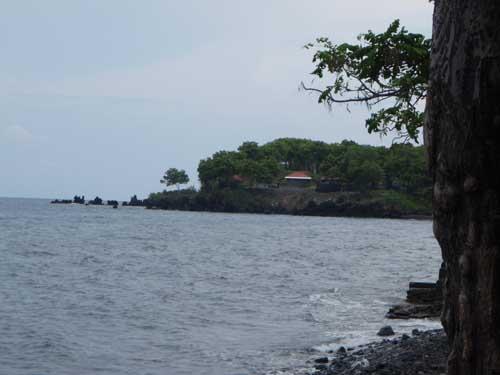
(385, 331)
(321, 360)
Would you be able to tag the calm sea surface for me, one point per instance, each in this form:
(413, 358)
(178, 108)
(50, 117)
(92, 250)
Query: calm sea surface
(92, 290)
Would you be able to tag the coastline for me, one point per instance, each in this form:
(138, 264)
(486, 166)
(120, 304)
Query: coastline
(424, 352)
(344, 215)
(303, 202)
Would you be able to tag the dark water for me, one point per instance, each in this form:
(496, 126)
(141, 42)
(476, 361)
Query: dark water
(92, 290)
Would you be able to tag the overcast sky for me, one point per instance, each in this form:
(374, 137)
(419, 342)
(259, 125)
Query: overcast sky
(99, 97)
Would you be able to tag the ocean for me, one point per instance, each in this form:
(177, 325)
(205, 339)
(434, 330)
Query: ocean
(95, 290)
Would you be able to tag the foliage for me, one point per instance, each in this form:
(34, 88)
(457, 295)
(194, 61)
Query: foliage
(388, 70)
(357, 167)
(366, 175)
(174, 176)
(218, 171)
(406, 168)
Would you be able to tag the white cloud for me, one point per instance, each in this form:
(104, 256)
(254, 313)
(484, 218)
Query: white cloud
(16, 134)
(19, 135)
(259, 50)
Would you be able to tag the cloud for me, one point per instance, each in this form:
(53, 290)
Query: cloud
(256, 52)
(18, 135)
(173, 81)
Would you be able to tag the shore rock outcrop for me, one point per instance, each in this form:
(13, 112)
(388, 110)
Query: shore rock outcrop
(96, 201)
(423, 300)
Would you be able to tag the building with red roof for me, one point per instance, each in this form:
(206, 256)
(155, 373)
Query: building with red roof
(299, 175)
(299, 178)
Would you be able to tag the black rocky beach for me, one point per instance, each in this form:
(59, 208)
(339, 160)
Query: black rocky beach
(423, 353)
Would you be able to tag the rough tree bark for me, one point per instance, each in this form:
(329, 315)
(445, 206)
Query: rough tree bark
(462, 133)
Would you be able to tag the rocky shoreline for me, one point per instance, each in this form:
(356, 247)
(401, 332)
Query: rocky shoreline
(297, 202)
(423, 353)
(301, 202)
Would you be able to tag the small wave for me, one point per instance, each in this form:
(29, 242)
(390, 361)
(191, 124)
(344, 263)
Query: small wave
(309, 317)
(89, 259)
(39, 253)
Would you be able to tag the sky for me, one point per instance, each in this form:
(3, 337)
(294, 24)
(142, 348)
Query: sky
(100, 97)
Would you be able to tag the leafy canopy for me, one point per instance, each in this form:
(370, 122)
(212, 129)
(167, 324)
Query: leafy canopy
(388, 70)
(358, 167)
(174, 176)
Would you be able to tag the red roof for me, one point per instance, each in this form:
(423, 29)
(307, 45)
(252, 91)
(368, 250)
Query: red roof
(238, 178)
(299, 174)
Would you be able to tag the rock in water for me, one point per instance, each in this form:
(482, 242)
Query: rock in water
(321, 367)
(386, 331)
(321, 360)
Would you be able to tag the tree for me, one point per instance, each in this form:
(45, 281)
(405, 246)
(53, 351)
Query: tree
(174, 176)
(269, 170)
(366, 175)
(356, 166)
(462, 134)
(389, 68)
(219, 170)
(250, 149)
(405, 168)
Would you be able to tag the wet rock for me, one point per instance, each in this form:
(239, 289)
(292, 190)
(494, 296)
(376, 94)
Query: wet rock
(341, 350)
(425, 353)
(386, 331)
(423, 300)
(415, 332)
(414, 311)
(321, 360)
(79, 200)
(321, 367)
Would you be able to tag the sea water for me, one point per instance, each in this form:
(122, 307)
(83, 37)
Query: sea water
(96, 290)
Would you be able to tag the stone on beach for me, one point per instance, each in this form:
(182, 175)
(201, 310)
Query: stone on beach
(386, 331)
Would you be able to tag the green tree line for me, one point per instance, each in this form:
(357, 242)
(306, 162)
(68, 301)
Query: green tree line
(356, 167)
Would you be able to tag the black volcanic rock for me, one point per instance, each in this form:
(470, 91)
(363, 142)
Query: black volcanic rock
(422, 354)
(96, 201)
(386, 331)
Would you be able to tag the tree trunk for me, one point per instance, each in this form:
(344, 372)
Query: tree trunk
(462, 133)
